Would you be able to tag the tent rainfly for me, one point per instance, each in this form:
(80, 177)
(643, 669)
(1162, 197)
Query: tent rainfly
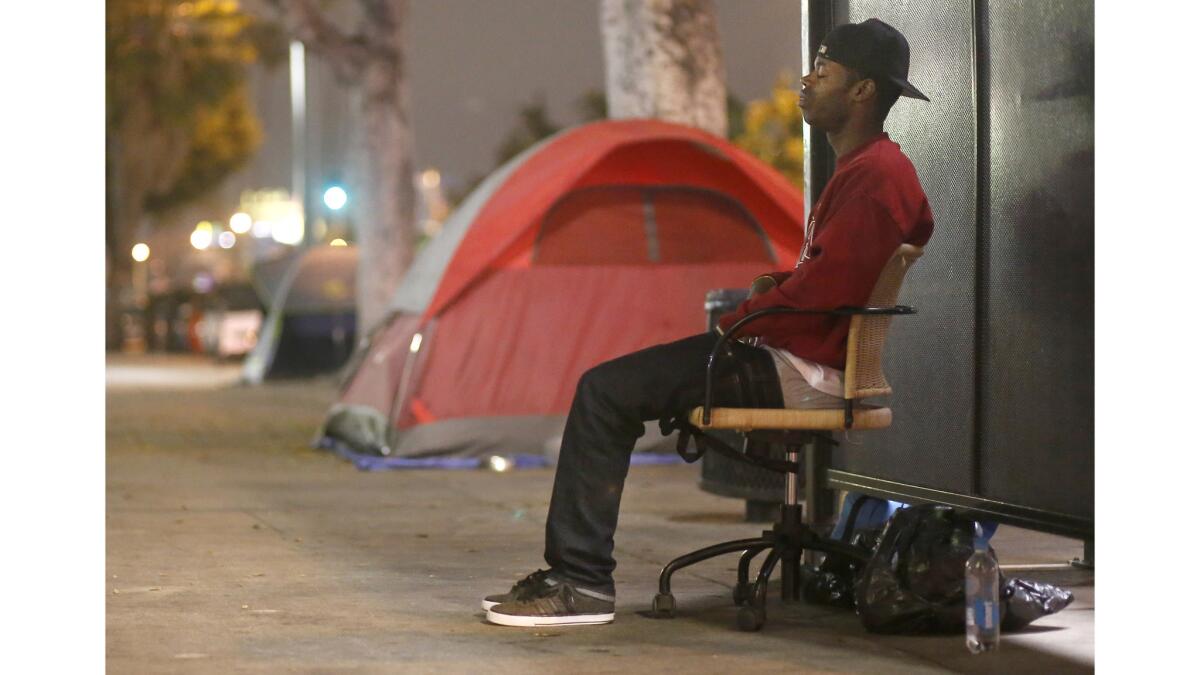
(310, 326)
(599, 241)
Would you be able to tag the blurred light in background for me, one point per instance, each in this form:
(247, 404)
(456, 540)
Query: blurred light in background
(262, 229)
(434, 208)
(335, 198)
(338, 242)
(415, 345)
(319, 229)
(289, 230)
(498, 463)
(241, 222)
(226, 239)
(141, 252)
(203, 282)
(202, 236)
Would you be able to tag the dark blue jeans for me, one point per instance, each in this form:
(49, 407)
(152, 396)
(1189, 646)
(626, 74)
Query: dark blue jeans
(612, 403)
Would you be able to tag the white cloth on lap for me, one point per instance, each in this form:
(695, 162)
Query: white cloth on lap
(806, 384)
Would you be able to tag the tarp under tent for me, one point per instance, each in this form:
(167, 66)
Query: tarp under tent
(601, 240)
(310, 323)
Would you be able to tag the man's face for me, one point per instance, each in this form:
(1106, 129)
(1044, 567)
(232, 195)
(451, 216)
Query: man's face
(825, 94)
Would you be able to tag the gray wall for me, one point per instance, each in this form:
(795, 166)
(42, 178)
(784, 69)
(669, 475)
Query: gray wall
(994, 377)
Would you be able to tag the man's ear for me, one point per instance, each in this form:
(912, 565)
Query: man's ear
(863, 89)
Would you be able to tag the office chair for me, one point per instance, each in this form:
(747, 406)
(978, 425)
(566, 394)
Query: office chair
(799, 431)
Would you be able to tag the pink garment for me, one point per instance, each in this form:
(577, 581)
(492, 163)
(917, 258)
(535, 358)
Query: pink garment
(807, 384)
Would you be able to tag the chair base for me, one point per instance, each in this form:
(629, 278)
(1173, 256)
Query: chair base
(785, 544)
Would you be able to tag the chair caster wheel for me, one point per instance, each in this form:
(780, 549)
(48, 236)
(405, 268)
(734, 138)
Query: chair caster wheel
(750, 619)
(664, 606)
(742, 593)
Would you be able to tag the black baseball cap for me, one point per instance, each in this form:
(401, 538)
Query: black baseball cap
(875, 50)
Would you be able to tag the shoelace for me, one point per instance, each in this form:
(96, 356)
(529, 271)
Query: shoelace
(531, 583)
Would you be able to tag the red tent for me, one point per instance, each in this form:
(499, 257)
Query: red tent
(599, 241)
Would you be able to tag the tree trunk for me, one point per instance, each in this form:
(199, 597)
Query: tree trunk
(384, 172)
(144, 155)
(663, 60)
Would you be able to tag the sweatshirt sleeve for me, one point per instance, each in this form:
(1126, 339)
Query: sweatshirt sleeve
(846, 257)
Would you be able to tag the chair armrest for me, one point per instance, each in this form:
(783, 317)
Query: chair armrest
(723, 340)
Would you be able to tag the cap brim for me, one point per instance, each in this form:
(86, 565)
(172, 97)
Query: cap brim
(906, 89)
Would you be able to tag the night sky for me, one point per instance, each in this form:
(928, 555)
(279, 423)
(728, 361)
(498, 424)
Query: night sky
(474, 63)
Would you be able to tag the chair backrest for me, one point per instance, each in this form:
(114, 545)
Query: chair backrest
(864, 348)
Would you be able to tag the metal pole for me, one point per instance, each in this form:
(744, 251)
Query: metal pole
(983, 223)
(811, 496)
(792, 481)
(816, 20)
(299, 127)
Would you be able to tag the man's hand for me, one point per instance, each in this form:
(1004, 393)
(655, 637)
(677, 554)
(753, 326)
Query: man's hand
(762, 284)
(759, 286)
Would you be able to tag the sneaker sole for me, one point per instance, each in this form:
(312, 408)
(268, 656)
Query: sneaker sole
(534, 621)
(487, 604)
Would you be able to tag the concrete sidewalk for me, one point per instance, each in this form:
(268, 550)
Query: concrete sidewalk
(233, 547)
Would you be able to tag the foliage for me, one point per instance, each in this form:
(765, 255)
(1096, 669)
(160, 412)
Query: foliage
(592, 105)
(177, 106)
(533, 124)
(773, 130)
(735, 112)
(224, 137)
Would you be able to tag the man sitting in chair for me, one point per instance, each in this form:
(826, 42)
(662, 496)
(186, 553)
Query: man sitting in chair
(872, 204)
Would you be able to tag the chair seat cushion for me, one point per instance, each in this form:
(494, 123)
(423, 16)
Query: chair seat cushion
(824, 419)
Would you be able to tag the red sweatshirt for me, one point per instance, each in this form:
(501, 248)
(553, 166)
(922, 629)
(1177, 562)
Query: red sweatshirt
(872, 204)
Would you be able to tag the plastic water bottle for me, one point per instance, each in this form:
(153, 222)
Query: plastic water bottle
(983, 597)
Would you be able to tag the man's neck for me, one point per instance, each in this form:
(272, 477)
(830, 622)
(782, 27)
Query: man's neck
(851, 136)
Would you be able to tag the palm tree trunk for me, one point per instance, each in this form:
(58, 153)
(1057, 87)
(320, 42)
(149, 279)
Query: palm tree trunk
(663, 60)
(384, 176)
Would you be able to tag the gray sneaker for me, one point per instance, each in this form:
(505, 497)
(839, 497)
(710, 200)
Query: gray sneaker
(523, 588)
(552, 603)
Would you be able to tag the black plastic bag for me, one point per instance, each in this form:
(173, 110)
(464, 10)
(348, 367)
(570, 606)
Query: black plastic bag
(859, 524)
(1027, 601)
(832, 582)
(913, 582)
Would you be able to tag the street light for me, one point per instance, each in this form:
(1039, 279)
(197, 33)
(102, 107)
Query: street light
(226, 239)
(430, 178)
(140, 253)
(241, 222)
(335, 198)
(288, 230)
(202, 236)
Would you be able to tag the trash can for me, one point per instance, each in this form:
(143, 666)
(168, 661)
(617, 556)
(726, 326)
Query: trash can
(719, 475)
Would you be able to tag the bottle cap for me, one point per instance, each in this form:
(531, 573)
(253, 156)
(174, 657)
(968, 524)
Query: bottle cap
(981, 542)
